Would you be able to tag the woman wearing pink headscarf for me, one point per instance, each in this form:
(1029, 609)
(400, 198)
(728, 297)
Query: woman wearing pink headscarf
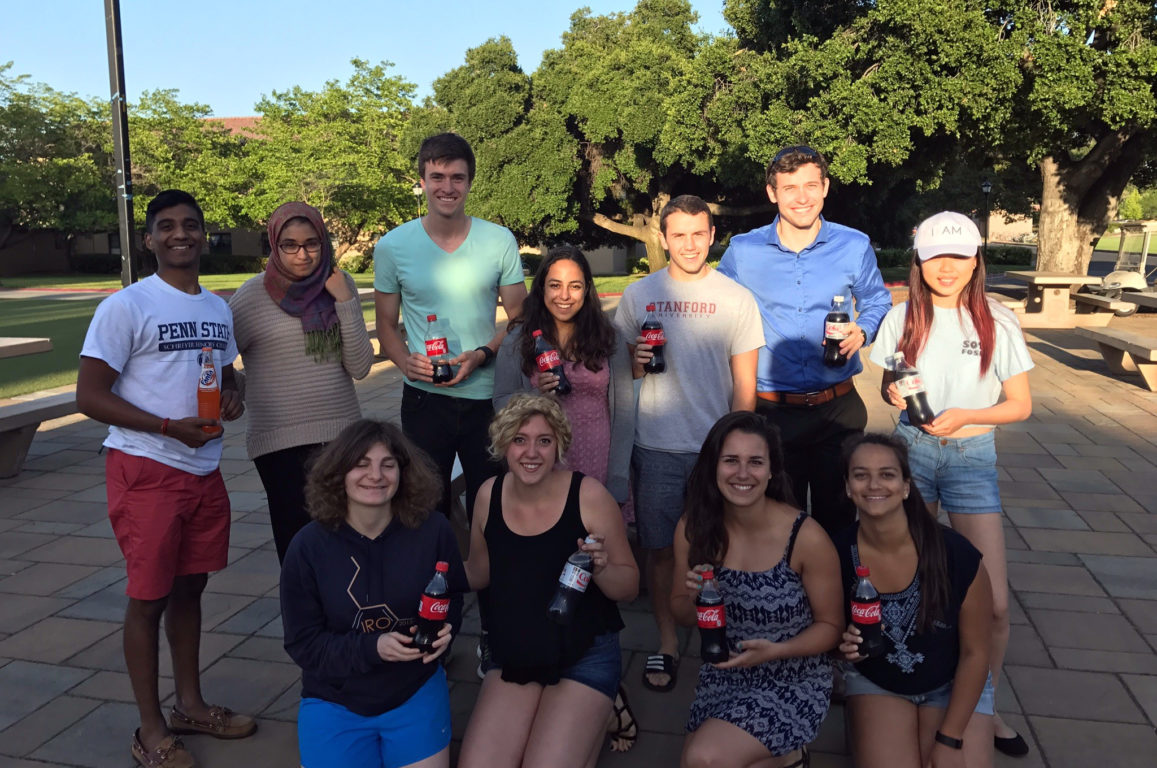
(303, 341)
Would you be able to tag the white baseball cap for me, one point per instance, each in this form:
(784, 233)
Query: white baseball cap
(946, 234)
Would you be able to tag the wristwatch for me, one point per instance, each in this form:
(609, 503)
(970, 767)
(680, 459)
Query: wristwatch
(948, 741)
(489, 355)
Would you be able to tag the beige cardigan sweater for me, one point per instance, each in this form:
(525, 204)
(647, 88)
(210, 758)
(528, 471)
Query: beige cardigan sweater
(291, 399)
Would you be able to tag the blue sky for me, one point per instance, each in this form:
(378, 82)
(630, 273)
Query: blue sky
(227, 53)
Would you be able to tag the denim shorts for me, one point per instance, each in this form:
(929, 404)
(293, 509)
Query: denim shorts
(959, 473)
(330, 736)
(601, 667)
(660, 480)
(858, 685)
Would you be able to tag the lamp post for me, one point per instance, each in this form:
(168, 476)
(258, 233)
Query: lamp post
(416, 190)
(986, 188)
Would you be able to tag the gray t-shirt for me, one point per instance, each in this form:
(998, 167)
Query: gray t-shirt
(705, 322)
(949, 364)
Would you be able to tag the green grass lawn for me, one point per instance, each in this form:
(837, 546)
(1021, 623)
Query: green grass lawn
(1132, 243)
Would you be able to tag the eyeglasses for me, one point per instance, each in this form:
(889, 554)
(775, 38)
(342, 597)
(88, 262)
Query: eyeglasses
(291, 248)
(801, 149)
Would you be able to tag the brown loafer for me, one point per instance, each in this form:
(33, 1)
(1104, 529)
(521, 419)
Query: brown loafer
(223, 723)
(170, 753)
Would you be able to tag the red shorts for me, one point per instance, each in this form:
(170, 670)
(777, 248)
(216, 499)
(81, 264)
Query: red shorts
(168, 522)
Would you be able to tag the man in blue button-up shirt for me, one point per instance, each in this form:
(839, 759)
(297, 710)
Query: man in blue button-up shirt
(795, 266)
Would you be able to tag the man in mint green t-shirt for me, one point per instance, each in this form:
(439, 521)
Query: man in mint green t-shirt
(456, 267)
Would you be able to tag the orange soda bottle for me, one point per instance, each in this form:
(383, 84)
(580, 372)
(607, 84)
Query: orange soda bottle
(208, 392)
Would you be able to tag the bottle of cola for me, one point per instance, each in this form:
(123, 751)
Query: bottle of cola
(438, 350)
(653, 335)
(572, 584)
(911, 386)
(549, 361)
(835, 331)
(866, 615)
(712, 620)
(434, 609)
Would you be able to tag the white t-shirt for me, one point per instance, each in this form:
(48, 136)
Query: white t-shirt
(705, 323)
(151, 334)
(949, 364)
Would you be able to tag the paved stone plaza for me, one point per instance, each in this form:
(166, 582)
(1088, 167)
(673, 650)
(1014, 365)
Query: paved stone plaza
(1078, 481)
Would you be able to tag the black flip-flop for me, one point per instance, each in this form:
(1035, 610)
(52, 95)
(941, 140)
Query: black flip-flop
(626, 729)
(660, 664)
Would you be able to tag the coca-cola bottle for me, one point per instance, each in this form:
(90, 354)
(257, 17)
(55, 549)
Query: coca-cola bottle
(866, 615)
(549, 361)
(836, 326)
(911, 386)
(572, 584)
(434, 609)
(712, 620)
(653, 335)
(438, 350)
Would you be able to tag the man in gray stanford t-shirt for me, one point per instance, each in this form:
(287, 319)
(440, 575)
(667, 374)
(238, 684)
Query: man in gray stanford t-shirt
(713, 336)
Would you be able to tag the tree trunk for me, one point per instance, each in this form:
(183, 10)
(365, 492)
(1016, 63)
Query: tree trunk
(646, 231)
(1079, 199)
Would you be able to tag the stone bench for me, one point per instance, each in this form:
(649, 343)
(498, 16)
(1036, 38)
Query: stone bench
(1126, 352)
(19, 420)
(1141, 299)
(1089, 303)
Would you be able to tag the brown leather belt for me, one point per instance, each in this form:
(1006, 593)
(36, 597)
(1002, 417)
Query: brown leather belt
(809, 398)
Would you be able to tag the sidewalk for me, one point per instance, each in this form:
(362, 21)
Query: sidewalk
(1080, 676)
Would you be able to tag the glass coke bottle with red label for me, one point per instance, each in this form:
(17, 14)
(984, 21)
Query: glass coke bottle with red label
(438, 350)
(712, 620)
(653, 335)
(549, 361)
(866, 615)
(434, 609)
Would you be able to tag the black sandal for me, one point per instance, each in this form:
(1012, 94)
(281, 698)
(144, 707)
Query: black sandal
(625, 730)
(660, 664)
(805, 759)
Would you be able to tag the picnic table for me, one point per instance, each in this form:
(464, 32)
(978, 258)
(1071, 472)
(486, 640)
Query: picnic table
(15, 346)
(1047, 304)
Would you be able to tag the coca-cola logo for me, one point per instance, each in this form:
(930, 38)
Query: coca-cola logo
(548, 360)
(836, 330)
(436, 347)
(710, 617)
(866, 613)
(208, 377)
(575, 578)
(910, 385)
(654, 337)
(434, 608)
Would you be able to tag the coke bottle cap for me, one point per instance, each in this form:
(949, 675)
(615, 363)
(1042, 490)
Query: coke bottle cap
(838, 298)
(708, 574)
(431, 318)
(862, 571)
(536, 334)
(650, 307)
(442, 566)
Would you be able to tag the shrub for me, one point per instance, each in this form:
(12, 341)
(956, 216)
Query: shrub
(95, 263)
(893, 257)
(356, 262)
(531, 263)
(229, 264)
(1009, 254)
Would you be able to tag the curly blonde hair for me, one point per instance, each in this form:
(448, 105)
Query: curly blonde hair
(419, 487)
(521, 407)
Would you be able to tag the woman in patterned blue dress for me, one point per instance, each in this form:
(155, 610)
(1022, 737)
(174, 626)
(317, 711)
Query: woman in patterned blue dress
(780, 580)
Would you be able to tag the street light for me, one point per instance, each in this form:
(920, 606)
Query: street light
(986, 188)
(416, 190)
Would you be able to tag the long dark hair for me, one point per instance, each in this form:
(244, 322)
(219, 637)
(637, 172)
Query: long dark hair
(593, 340)
(703, 507)
(931, 555)
(419, 489)
(918, 317)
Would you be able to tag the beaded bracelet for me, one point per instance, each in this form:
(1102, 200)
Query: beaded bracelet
(164, 427)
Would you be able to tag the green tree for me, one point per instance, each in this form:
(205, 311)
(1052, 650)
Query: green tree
(55, 167)
(338, 149)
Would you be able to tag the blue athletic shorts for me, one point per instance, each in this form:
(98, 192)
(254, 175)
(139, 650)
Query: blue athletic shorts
(858, 685)
(601, 667)
(959, 473)
(660, 480)
(330, 736)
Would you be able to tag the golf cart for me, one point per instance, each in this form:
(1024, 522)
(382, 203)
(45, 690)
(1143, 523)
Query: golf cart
(1129, 273)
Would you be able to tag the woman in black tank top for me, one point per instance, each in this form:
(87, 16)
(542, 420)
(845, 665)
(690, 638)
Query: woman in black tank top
(548, 699)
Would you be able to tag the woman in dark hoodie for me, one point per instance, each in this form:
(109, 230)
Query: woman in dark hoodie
(350, 592)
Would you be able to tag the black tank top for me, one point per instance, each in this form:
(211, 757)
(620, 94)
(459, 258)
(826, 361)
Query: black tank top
(524, 572)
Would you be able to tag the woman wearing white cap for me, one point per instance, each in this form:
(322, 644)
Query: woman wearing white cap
(970, 352)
